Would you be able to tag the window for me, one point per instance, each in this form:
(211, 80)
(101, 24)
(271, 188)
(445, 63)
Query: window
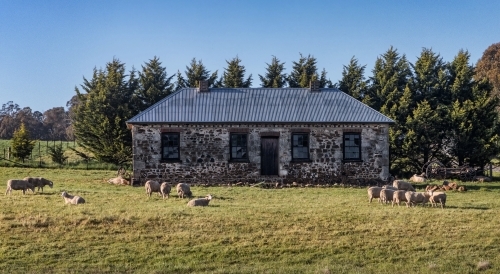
(238, 147)
(300, 146)
(170, 146)
(352, 146)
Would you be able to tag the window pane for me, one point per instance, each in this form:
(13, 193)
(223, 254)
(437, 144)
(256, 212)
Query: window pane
(300, 146)
(238, 146)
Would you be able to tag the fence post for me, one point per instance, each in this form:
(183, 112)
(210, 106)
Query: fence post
(8, 153)
(39, 155)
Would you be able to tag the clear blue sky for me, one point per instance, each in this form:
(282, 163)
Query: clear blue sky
(47, 47)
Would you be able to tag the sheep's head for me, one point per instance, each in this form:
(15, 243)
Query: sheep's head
(64, 194)
(208, 197)
(50, 183)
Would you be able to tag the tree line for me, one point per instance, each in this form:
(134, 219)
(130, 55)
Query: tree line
(443, 110)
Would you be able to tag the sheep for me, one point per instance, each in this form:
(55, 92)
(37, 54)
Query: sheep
(482, 179)
(416, 198)
(417, 179)
(183, 190)
(200, 202)
(165, 189)
(19, 185)
(119, 181)
(386, 195)
(70, 199)
(398, 197)
(39, 182)
(389, 187)
(402, 185)
(152, 186)
(374, 192)
(437, 196)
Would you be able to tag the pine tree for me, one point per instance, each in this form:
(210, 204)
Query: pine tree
(275, 76)
(474, 122)
(102, 111)
(197, 72)
(21, 143)
(153, 84)
(430, 79)
(353, 79)
(303, 72)
(390, 77)
(234, 75)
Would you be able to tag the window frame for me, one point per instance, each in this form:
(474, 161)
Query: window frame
(164, 145)
(238, 159)
(345, 145)
(293, 145)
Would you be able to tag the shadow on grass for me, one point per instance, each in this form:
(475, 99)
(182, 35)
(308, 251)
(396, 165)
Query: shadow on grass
(468, 207)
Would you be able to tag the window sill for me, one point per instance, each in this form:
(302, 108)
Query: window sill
(170, 161)
(352, 161)
(301, 161)
(239, 161)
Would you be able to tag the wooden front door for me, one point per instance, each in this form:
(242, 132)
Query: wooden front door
(269, 156)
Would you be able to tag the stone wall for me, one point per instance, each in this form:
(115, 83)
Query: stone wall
(204, 154)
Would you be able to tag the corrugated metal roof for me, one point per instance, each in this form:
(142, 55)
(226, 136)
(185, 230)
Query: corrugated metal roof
(259, 105)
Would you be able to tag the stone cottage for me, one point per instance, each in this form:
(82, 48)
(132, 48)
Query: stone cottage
(224, 135)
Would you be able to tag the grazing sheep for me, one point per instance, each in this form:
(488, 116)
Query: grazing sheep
(119, 181)
(398, 196)
(402, 185)
(200, 202)
(432, 188)
(386, 195)
(39, 182)
(152, 186)
(389, 187)
(165, 189)
(413, 198)
(19, 185)
(436, 197)
(183, 190)
(374, 192)
(73, 200)
(417, 179)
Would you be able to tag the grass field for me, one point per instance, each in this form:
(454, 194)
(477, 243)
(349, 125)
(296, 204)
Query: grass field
(244, 230)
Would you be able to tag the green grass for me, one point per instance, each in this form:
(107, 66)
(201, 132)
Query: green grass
(244, 230)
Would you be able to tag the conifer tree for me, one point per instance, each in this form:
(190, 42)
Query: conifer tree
(153, 84)
(197, 72)
(234, 75)
(102, 111)
(353, 79)
(21, 143)
(275, 76)
(430, 79)
(304, 71)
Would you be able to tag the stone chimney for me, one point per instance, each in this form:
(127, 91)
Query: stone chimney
(203, 86)
(314, 86)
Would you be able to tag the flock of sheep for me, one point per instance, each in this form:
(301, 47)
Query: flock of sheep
(402, 191)
(163, 189)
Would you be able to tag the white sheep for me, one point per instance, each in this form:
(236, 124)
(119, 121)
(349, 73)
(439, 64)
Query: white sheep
(119, 181)
(39, 182)
(417, 179)
(398, 197)
(402, 185)
(19, 185)
(413, 198)
(437, 197)
(374, 192)
(73, 200)
(200, 202)
(152, 186)
(165, 189)
(183, 190)
(389, 187)
(386, 195)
